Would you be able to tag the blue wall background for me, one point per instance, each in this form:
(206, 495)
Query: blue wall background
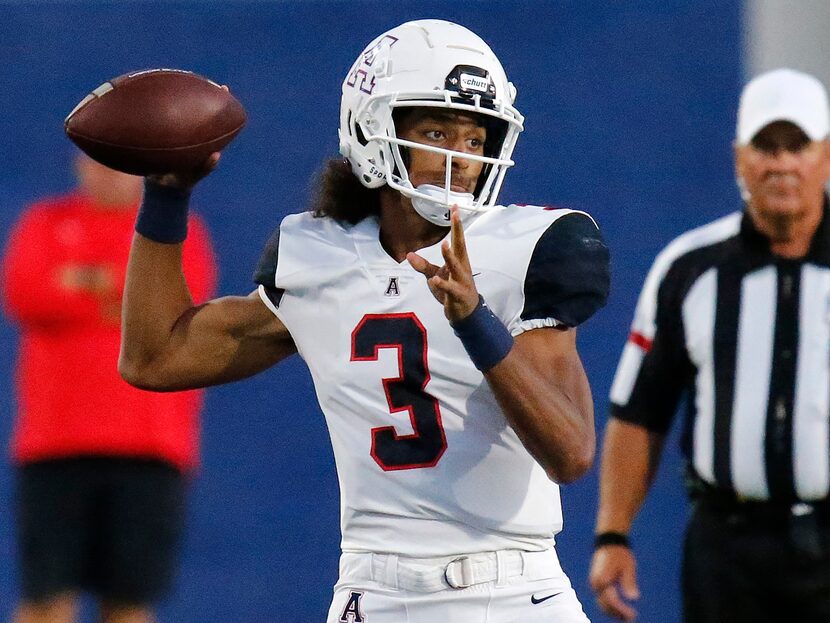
(630, 113)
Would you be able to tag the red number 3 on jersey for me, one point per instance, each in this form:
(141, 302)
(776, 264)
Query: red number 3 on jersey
(406, 334)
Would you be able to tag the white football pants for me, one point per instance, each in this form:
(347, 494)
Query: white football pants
(508, 586)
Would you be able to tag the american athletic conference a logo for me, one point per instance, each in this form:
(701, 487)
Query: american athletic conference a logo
(353, 612)
(392, 288)
(360, 78)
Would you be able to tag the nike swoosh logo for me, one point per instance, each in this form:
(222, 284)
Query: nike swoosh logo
(534, 600)
(476, 274)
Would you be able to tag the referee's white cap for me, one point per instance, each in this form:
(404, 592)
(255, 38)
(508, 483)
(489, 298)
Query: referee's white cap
(783, 95)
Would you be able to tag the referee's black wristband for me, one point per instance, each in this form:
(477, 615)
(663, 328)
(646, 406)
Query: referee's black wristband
(611, 538)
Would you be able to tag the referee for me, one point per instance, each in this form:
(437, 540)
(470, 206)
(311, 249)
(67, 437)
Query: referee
(735, 315)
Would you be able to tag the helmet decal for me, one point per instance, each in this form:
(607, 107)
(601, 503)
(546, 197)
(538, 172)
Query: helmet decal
(360, 72)
(469, 81)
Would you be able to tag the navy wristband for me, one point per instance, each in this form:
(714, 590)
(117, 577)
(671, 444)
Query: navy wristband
(163, 213)
(485, 338)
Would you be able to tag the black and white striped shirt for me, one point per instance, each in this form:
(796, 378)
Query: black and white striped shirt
(746, 335)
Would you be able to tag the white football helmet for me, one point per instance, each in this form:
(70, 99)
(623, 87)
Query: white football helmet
(427, 63)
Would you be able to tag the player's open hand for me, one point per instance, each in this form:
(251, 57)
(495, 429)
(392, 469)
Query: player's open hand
(613, 578)
(452, 284)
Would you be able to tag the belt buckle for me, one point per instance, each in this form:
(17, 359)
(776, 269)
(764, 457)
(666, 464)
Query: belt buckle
(459, 573)
(800, 509)
(805, 534)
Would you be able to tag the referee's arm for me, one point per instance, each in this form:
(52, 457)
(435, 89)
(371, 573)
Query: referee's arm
(630, 456)
(651, 377)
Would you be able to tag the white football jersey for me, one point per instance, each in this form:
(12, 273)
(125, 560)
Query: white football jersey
(427, 463)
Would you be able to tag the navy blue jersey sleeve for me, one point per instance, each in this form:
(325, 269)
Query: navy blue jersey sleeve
(265, 273)
(568, 276)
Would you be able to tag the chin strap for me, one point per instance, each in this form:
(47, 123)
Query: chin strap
(433, 203)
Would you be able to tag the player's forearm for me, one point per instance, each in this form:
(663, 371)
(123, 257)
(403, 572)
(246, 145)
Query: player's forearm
(630, 457)
(155, 297)
(551, 412)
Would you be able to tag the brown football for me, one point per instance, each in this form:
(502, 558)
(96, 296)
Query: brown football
(155, 121)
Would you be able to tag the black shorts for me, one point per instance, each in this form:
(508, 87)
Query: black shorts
(110, 526)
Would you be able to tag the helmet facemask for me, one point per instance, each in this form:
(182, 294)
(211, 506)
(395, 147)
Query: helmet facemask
(462, 78)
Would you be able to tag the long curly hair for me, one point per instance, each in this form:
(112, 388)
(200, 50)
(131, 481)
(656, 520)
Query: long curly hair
(341, 196)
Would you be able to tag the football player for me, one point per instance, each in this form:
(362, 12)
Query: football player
(438, 326)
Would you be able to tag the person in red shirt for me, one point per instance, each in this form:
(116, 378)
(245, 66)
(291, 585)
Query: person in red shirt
(101, 467)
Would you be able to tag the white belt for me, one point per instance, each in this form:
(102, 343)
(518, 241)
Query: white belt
(429, 575)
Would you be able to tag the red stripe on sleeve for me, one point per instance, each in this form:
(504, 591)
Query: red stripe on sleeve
(640, 340)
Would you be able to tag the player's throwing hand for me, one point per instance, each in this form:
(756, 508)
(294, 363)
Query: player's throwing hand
(452, 284)
(188, 179)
